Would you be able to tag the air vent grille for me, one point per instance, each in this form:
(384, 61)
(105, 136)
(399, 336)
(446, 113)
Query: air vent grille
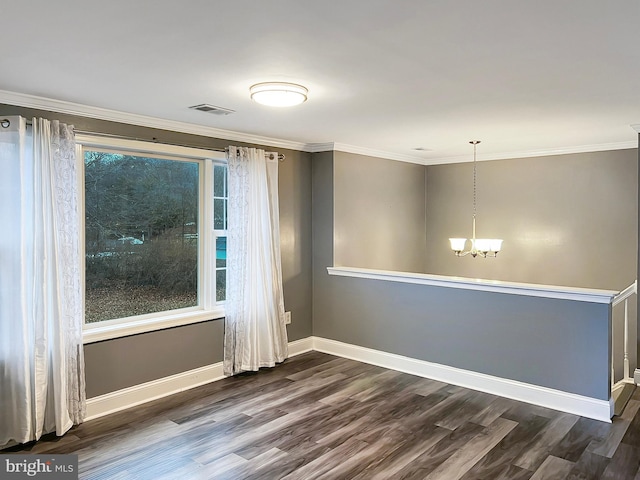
(205, 107)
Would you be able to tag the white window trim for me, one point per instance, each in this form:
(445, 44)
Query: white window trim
(208, 308)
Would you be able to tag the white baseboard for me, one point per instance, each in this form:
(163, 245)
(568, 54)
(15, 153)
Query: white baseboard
(567, 402)
(300, 346)
(524, 392)
(130, 397)
(636, 376)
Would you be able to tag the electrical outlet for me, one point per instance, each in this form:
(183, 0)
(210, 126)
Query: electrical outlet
(287, 318)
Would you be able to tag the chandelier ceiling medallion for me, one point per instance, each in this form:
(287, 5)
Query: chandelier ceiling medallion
(484, 247)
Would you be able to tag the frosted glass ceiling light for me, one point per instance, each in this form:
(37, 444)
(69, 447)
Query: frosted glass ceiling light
(485, 247)
(278, 94)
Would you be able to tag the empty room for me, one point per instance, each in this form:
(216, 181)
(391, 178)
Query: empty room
(311, 240)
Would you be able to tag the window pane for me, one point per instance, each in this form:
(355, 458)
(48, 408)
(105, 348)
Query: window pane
(219, 214)
(141, 235)
(221, 252)
(219, 180)
(221, 285)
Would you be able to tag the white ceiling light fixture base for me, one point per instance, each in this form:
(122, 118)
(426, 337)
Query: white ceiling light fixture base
(278, 94)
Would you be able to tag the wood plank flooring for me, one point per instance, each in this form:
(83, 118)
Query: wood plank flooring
(317, 416)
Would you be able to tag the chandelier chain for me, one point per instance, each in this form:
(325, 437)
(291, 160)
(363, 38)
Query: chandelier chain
(474, 180)
(475, 194)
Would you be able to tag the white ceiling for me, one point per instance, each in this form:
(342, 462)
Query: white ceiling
(387, 75)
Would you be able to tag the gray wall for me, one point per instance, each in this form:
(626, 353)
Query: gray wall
(566, 220)
(115, 364)
(429, 323)
(322, 206)
(128, 361)
(379, 214)
(557, 344)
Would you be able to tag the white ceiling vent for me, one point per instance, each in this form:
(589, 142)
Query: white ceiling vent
(205, 107)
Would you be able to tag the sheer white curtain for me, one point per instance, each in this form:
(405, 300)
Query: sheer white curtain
(255, 332)
(41, 356)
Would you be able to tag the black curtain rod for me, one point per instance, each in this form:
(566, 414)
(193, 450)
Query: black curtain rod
(5, 123)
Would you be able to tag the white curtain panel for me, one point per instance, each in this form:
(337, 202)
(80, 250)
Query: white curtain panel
(41, 356)
(255, 332)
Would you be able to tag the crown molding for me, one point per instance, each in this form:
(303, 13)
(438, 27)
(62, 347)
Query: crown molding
(369, 152)
(320, 147)
(599, 147)
(342, 147)
(70, 108)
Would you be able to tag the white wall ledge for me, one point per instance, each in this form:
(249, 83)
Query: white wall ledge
(496, 286)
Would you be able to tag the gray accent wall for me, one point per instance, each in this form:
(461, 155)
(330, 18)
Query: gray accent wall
(558, 344)
(123, 362)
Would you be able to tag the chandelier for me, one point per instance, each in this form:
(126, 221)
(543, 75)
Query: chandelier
(485, 247)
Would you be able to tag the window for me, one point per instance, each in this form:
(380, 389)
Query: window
(220, 202)
(153, 217)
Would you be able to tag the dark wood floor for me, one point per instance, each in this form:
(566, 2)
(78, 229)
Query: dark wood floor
(318, 416)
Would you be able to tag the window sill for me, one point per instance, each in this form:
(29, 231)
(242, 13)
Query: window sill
(98, 333)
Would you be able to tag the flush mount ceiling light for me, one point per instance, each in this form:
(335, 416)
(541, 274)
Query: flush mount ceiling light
(484, 247)
(278, 94)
